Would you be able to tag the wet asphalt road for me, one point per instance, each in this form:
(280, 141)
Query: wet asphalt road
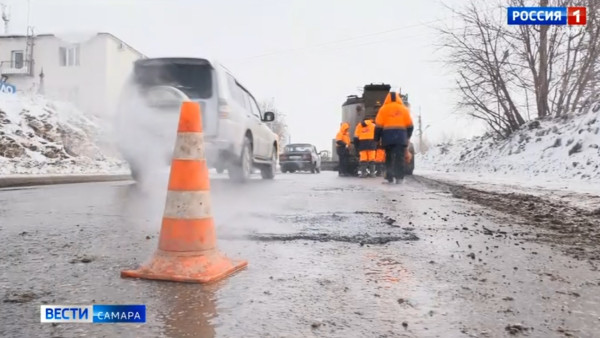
(328, 257)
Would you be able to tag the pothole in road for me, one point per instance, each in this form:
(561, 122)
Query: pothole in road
(361, 239)
(361, 227)
(23, 297)
(367, 218)
(338, 189)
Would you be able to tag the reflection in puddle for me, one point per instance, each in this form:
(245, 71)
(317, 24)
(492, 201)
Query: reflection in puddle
(187, 310)
(385, 270)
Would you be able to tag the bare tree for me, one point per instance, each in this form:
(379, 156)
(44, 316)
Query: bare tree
(506, 72)
(279, 126)
(563, 61)
(480, 53)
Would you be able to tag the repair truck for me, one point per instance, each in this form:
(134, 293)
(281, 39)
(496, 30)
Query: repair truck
(355, 109)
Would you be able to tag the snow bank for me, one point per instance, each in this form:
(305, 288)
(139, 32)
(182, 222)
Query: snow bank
(555, 149)
(38, 136)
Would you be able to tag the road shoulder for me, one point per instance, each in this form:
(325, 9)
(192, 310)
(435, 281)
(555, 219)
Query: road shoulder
(12, 181)
(556, 217)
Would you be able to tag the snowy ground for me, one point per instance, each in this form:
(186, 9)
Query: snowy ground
(558, 160)
(38, 136)
(546, 150)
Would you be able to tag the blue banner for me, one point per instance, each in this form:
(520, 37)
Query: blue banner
(93, 313)
(119, 313)
(7, 88)
(537, 15)
(66, 313)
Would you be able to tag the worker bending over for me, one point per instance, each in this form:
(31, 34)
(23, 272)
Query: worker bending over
(364, 140)
(394, 127)
(342, 143)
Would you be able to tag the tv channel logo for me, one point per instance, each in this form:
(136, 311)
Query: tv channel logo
(93, 313)
(561, 16)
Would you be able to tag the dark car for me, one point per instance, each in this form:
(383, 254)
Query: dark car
(300, 157)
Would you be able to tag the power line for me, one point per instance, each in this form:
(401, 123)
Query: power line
(367, 43)
(325, 44)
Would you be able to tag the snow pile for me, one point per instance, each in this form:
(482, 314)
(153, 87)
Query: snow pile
(38, 136)
(563, 148)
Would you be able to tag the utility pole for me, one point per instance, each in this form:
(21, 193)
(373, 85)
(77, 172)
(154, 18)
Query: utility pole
(5, 17)
(420, 132)
(28, 12)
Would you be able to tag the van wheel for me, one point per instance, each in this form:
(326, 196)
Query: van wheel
(220, 170)
(268, 171)
(240, 170)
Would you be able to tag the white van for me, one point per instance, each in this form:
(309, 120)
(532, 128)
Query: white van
(236, 135)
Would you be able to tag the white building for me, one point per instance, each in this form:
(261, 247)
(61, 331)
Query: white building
(89, 73)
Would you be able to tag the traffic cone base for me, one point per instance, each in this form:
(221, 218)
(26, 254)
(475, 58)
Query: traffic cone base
(179, 267)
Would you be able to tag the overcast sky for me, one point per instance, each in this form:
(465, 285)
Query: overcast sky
(306, 54)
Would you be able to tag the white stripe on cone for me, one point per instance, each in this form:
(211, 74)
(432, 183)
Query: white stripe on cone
(189, 146)
(188, 205)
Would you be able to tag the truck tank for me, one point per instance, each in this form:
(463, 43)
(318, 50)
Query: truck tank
(373, 97)
(353, 111)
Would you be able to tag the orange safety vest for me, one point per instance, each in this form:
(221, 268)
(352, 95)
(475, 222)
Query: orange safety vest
(365, 133)
(394, 124)
(343, 134)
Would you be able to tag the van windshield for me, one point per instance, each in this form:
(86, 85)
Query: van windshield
(192, 79)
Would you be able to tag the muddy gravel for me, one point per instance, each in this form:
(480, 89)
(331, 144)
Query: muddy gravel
(576, 230)
(430, 264)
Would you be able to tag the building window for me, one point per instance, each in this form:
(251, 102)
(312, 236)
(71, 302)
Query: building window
(16, 59)
(69, 56)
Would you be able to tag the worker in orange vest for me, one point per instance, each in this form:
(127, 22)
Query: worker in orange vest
(379, 160)
(342, 141)
(394, 127)
(364, 139)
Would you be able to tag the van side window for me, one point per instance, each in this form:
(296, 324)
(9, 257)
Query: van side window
(243, 98)
(236, 92)
(232, 86)
(246, 99)
(255, 109)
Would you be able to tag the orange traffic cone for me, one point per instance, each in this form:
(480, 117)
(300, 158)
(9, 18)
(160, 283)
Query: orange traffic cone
(187, 249)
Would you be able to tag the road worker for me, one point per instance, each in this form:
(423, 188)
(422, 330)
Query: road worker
(342, 143)
(379, 160)
(394, 127)
(364, 136)
(380, 152)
